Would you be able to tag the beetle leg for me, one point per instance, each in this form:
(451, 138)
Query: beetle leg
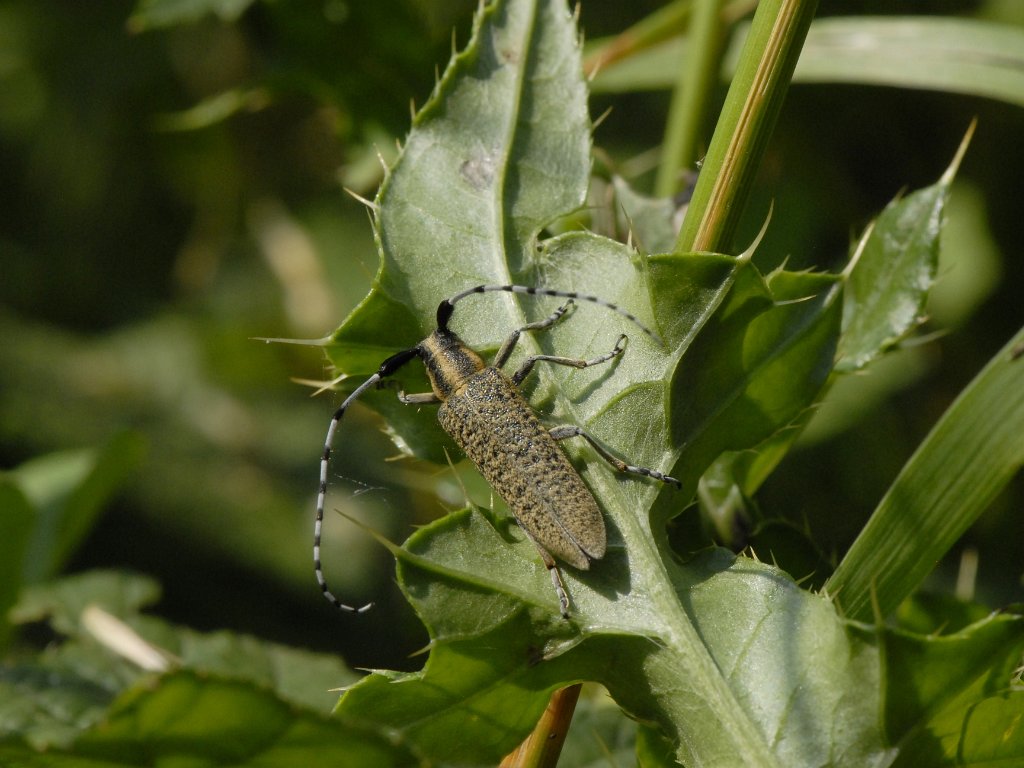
(571, 430)
(556, 575)
(527, 366)
(418, 398)
(510, 343)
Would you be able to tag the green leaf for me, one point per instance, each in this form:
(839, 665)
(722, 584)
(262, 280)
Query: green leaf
(649, 221)
(787, 657)
(886, 289)
(756, 365)
(501, 147)
(781, 658)
(743, 356)
(310, 680)
(747, 381)
(963, 463)
(69, 490)
(932, 613)
(49, 701)
(893, 270)
(955, 55)
(472, 704)
(299, 676)
(193, 720)
(930, 674)
(493, 573)
(957, 699)
(62, 602)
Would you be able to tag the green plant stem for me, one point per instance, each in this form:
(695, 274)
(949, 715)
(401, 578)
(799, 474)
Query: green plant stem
(744, 128)
(662, 25)
(697, 77)
(659, 26)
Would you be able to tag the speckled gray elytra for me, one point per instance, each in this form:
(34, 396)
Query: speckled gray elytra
(485, 414)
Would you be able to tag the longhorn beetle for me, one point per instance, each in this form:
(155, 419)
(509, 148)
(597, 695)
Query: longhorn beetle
(485, 414)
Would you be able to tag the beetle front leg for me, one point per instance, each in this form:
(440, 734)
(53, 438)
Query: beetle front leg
(418, 398)
(510, 343)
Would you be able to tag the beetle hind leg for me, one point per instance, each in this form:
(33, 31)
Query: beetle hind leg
(556, 575)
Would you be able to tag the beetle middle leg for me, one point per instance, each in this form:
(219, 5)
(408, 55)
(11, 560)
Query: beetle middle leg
(572, 362)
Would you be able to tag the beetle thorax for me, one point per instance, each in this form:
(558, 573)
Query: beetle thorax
(449, 362)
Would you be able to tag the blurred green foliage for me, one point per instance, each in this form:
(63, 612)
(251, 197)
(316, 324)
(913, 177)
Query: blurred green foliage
(174, 188)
